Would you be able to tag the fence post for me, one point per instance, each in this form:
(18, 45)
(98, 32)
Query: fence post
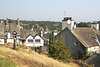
(35, 49)
(39, 49)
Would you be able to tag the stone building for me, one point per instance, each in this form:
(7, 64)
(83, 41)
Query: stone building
(81, 40)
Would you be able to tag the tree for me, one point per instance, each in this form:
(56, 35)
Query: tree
(9, 20)
(50, 41)
(43, 24)
(59, 50)
(53, 38)
(83, 24)
(49, 27)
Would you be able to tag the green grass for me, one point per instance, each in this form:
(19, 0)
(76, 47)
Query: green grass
(55, 24)
(24, 24)
(2, 44)
(6, 63)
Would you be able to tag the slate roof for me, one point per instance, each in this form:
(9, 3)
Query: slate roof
(93, 60)
(9, 28)
(46, 36)
(25, 33)
(2, 27)
(14, 27)
(87, 36)
(2, 36)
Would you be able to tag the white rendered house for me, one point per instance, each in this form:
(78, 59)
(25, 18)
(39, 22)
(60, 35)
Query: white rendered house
(34, 41)
(27, 37)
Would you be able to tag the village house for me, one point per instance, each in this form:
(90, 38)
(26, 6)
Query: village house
(43, 32)
(26, 37)
(80, 40)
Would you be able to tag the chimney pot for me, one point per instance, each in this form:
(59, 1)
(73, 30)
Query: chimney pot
(18, 19)
(6, 19)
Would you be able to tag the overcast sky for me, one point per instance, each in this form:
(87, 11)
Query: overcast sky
(50, 10)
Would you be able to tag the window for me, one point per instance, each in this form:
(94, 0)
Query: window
(37, 40)
(75, 43)
(30, 40)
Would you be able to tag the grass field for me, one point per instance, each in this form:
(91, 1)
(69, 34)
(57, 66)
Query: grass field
(23, 58)
(55, 24)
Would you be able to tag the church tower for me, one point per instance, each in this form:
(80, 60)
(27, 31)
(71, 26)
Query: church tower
(68, 22)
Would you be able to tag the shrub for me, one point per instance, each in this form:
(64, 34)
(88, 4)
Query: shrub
(59, 50)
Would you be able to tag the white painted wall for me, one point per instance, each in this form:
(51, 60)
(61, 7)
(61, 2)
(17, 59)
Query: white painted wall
(93, 49)
(72, 25)
(96, 26)
(1, 41)
(45, 32)
(55, 34)
(69, 24)
(9, 35)
(10, 40)
(75, 26)
(41, 33)
(64, 24)
(33, 44)
(27, 43)
(41, 41)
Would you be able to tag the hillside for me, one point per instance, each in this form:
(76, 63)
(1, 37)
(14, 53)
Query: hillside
(22, 58)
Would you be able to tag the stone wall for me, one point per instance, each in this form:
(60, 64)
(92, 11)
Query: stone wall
(76, 47)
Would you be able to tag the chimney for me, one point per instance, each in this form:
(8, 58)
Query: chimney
(95, 25)
(9, 35)
(45, 32)
(18, 21)
(6, 21)
(68, 22)
(55, 32)
(41, 32)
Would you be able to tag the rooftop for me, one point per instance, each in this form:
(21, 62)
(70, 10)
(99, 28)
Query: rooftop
(67, 18)
(87, 36)
(93, 60)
